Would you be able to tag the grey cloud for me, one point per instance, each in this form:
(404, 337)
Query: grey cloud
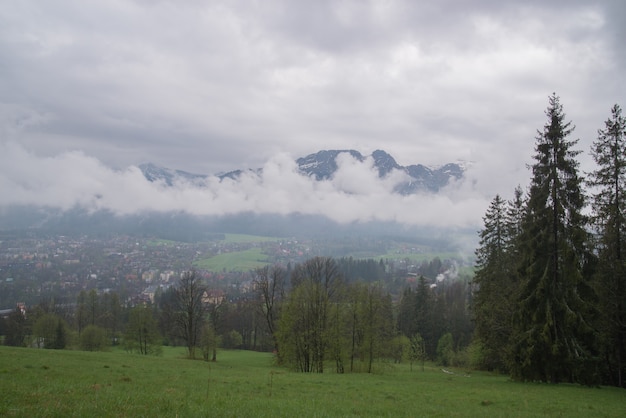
(210, 87)
(354, 194)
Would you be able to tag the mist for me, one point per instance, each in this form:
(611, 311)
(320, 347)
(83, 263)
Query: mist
(355, 194)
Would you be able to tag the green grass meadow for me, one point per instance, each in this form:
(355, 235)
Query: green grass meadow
(244, 238)
(234, 261)
(48, 383)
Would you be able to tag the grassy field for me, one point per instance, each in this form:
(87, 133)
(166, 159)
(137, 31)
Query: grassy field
(49, 383)
(243, 238)
(234, 261)
(228, 238)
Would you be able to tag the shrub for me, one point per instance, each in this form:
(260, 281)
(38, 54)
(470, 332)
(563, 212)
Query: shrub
(93, 338)
(232, 339)
(50, 331)
(476, 355)
(400, 348)
(445, 350)
(461, 358)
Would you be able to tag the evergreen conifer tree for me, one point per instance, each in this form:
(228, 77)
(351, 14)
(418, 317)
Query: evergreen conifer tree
(552, 334)
(491, 301)
(514, 219)
(425, 318)
(609, 204)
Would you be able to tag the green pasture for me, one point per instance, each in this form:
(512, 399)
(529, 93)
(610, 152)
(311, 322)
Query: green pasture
(243, 238)
(234, 261)
(48, 383)
(228, 238)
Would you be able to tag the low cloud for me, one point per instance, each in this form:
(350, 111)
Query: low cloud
(354, 194)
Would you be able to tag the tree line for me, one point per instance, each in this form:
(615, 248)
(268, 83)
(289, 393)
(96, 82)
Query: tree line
(549, 291)
(315, 314)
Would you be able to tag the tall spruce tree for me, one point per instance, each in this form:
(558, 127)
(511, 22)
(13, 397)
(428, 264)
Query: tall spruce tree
(609, 204)
(491, 305)
(425, 319)
(406, 313)
(552, 340)
(514, 219)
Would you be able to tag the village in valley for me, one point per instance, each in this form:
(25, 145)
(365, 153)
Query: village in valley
(34, 267)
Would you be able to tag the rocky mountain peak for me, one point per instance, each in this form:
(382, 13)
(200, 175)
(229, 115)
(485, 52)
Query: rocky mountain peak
(322, 165)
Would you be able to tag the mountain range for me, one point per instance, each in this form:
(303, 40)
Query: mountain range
(180, 225)
(322, 165)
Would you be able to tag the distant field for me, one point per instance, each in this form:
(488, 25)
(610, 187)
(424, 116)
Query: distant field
(234, 261)
(65, 383)
(243, 238)
(228, 238)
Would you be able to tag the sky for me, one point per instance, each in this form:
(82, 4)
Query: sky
(89, 90)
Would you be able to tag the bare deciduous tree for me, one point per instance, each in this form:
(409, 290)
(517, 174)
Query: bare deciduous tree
(190, 310)
(270, 284)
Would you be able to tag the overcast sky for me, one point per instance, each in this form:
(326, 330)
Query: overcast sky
(88, 90)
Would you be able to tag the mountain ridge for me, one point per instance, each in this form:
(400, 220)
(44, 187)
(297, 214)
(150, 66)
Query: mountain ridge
(322, 165)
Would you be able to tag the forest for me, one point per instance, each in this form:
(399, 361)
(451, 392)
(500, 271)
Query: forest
(549, 293)
(546, 303)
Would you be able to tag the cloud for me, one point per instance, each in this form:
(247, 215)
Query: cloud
(354, 194)
(136, 81)
(216, 86)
